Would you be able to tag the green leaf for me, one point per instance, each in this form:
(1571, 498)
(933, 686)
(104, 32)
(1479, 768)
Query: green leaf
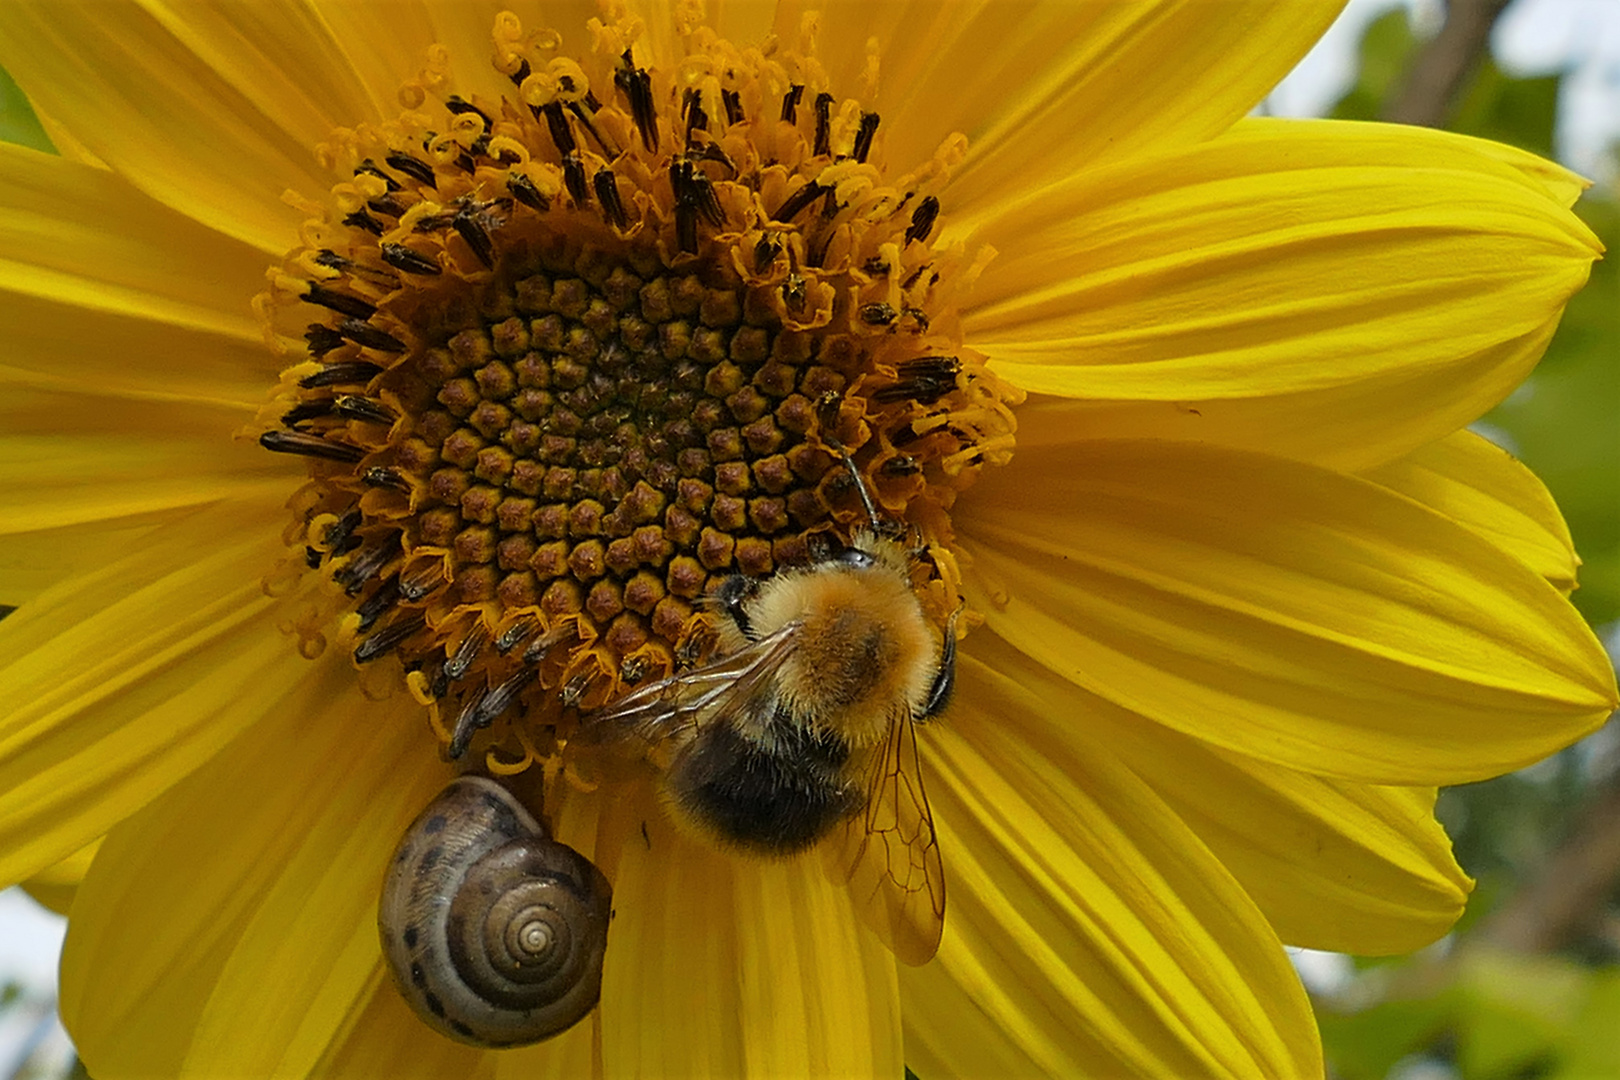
(18, 124)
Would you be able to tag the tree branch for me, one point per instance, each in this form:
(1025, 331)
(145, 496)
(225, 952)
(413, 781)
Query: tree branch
(1445, 64)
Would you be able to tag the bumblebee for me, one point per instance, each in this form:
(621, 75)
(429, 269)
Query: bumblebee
(800, 729)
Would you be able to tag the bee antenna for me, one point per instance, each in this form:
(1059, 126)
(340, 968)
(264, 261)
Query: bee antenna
(860, 488)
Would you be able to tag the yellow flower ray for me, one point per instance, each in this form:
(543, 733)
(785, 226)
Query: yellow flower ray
(1293, 614)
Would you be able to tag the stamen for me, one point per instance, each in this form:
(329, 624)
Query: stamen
(636, 85)
(823, 107)
(403, 258)
(607, 193)
(415, 168)
(368, 336)
(298, 442)
(344, 371)
(864, 136)
(790, 103)
(393, 635)
(340, 302)
(384, 597)
(922, 219)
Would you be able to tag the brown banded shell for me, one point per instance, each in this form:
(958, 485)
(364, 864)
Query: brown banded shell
(494, 932)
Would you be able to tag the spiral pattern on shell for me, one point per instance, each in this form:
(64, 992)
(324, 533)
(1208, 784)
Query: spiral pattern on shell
(494, 932)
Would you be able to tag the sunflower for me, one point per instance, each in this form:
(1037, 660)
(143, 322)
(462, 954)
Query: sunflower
(559, 337)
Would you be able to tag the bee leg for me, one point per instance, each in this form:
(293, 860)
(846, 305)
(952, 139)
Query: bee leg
(732, 594)
(939, 694)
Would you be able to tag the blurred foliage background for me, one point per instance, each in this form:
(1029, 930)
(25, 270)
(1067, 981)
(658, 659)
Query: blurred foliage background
(1528, 987)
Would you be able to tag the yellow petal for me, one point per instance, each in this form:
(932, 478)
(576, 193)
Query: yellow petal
(1341, 293)
(1333, 864)
(119, 682)
(1485, 489)
(239, 909)
(85, 237)
(1043, 90)
(214, 112)
(789, 980)
(385, 1039)
(55, 886)
(1292, 614)
(1089, 932)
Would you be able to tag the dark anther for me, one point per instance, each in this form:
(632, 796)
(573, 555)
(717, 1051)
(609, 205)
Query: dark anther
(765, 252)
(382, 476)
(465, 654)
(607, 193)
(465, 161)
(733, 104)
(403, 258)
(793, 292)
(306, 410)
(797, 201)
(322, 339)
(828, 406)
(524, 191)
(367, 565)
(900, 465)
(362, 220)
(390, 636)
(696, 118)
(557, 124)
(633, 670)
(514, 635)
(823, 123)
(459, 105)
(922, 219)
(636, 85)
(299, 442)
(591, 101)
(344, 371)
(342, 303)
(574, 179)
(542, 645)
(583, 112)
(924, 381)
(482, 710)
(573, 692)
(369, 168)
(694, 198)
(790, 103)
(863, 136)
(415, 168)
(422, 582)
(388, 206)
(875, 266)
(382, 598)
(355, 407)
(878, 314)
(472, 230)
(368, 336)
(312, 558)
(523, 72)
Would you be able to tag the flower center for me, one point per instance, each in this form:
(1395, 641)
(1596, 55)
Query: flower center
(573, 355)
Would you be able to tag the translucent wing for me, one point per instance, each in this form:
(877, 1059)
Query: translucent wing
(681, 704)
(888, 854)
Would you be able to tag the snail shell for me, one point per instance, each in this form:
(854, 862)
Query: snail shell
(494, 932)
